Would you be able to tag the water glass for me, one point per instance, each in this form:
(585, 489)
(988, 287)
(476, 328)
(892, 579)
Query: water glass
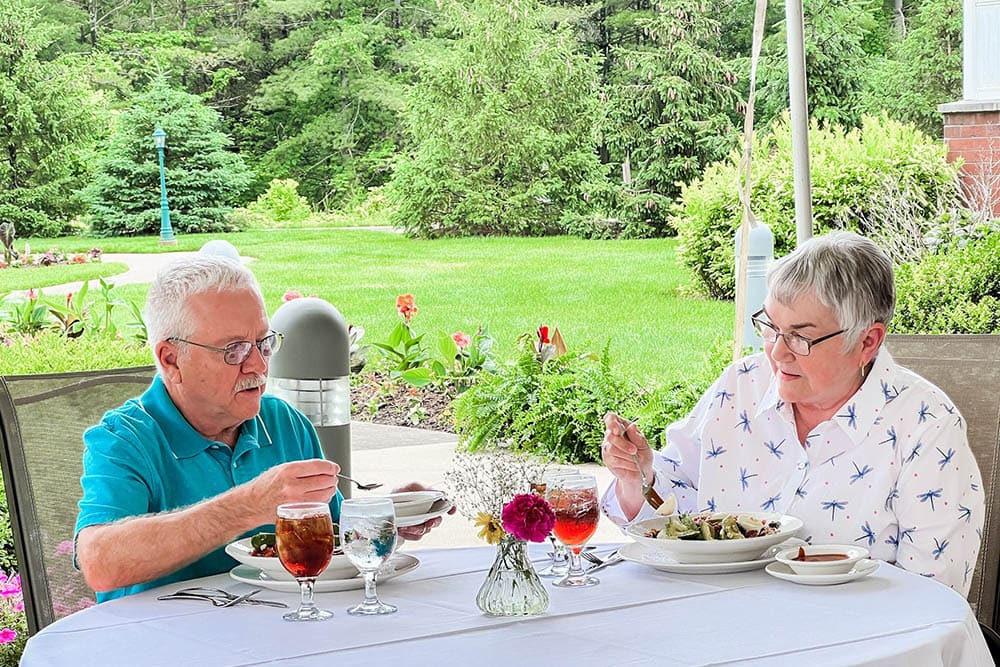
(368, 535)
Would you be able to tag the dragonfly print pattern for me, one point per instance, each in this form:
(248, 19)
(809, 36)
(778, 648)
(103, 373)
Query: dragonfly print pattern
(890, 468)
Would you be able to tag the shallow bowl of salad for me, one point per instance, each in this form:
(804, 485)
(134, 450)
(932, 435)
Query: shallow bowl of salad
(714, 537)
(266, 559)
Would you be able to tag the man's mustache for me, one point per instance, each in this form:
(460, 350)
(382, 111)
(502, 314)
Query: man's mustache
(251, 382)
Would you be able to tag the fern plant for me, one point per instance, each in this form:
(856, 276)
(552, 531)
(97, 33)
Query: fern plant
(552, 408)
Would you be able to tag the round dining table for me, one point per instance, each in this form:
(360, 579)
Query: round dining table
(637, 615)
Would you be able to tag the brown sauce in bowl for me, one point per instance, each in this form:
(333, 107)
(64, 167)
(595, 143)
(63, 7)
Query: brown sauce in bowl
(803, 557)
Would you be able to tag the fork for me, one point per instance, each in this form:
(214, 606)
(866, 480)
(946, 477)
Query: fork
(596, 560)
(361, 487)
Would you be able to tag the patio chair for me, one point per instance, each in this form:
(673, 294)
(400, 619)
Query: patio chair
(42, 420)
(967, 368)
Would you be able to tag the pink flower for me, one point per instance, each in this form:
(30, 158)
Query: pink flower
(528, 517)
(460, 339)
(7, 635)
(291, 295)
(33, 294)
(65, 547)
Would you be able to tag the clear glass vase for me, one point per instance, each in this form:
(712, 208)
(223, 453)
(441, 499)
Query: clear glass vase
(512, 587)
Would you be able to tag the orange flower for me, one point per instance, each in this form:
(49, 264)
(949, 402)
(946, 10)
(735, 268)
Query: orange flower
(406, 307)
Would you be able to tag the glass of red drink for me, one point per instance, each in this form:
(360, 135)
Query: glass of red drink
(304, 536)
(574, 500)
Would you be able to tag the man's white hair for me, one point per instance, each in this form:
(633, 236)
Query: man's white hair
(167, 314)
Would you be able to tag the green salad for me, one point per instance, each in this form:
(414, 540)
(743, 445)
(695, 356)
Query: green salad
(714, 526)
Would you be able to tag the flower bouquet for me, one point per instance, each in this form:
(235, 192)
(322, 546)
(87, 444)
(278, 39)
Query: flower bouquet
(493, 490)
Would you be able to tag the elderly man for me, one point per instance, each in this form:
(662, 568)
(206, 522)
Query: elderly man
(203, 457)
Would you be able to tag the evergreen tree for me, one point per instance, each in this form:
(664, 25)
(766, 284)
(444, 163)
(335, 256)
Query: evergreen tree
(204, 179)
(502, 122)
(671, 109)
(47, 121)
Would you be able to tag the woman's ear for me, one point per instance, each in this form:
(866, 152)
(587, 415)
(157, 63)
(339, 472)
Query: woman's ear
(166, 354)
(871, 341)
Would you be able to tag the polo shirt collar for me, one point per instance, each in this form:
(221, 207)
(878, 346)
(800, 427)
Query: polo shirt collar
(182, 438)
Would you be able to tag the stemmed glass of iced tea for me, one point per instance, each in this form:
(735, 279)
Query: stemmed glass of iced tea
(560, 559)
(574, 500)
(304, 536)
(368, 535)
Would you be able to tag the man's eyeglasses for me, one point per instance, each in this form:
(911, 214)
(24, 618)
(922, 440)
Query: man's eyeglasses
(799, 345)
(238, 351)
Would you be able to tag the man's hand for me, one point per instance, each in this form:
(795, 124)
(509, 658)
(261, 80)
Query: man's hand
(314, 480)
(412, 533)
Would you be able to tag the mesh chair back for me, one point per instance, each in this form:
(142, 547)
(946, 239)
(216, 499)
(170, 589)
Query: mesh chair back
(967, 368)
(42, 420)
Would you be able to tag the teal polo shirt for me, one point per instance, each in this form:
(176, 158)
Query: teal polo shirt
(144, 457)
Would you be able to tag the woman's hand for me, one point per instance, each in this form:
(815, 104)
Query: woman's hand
(623, 442)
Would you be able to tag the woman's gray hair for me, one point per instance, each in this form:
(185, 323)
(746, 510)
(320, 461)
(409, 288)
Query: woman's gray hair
(847, 272)
(167, 314)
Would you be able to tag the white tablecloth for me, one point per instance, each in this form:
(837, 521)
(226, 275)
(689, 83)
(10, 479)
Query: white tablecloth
(636, 616)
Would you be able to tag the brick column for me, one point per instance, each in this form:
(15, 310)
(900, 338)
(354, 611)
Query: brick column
(972, 132)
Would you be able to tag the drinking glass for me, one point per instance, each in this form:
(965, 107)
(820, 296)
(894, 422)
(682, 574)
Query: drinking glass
(559, 565)
(368, 535)
(304, 536)
(574, 501)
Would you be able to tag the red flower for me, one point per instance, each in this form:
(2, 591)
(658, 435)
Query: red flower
(291, 295)
(79, 259)
(543, 335)
(528, 517)
(460, 339)
(406, 306)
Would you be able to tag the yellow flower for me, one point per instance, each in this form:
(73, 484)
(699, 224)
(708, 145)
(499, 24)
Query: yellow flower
(490, 527)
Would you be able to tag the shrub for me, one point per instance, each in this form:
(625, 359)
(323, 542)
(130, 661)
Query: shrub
(13, 625)
(552, 408)
(956, 290)
(280, 205)
(850, 173)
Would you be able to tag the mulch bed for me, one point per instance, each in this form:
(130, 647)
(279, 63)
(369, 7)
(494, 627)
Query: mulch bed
(377, 398)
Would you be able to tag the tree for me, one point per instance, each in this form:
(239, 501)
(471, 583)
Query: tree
(502, 124)
(204, 179)
(671, 106)
(923, 69)
(47, 121)
(839, 36)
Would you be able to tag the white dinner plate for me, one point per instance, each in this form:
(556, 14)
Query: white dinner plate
(654, 558)
(439, 508)
(396, 565)
(861, 569)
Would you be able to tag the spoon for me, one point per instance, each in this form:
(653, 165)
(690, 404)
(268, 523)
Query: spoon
(361, 487)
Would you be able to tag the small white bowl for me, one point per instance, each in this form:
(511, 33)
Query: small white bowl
(339, 568)
(412, 503)
(851, 555)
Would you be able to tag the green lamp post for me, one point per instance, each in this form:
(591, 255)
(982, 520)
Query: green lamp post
(166, 231)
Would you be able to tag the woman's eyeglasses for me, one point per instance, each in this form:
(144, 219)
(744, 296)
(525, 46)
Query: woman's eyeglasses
(799, 345)
(238, 351)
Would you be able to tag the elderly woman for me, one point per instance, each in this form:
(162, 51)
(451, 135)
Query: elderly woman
(823, 426)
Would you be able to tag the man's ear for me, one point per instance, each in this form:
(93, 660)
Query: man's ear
(166, 354)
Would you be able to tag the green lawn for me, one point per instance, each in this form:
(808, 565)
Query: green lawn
(625, 292)
(43, 276)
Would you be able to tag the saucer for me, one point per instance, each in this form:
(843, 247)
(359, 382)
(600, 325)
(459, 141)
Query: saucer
(862, 569)
(656, 559)
(439, 508)
(396, 565)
